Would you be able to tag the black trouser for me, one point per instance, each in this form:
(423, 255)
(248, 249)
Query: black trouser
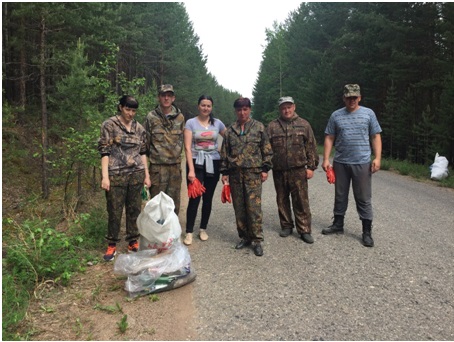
(209, 182)
(360, 178)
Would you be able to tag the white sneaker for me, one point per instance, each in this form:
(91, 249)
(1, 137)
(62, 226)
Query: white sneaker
(203, 235)
(188, 239)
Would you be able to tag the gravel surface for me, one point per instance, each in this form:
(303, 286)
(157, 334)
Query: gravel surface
(334, 289)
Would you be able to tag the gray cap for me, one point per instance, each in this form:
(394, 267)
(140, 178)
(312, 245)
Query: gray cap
(285, 99)
(166, 88)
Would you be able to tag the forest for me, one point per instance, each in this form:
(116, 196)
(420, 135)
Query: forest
(65, 65)
(400, 53)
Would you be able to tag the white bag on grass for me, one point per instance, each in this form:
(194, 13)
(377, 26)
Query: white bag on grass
(439, 169)
(158, 224)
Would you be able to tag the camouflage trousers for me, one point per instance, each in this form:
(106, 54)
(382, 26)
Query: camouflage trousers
(166, 178)
(293, 183)
(124, 192)
(246, 191)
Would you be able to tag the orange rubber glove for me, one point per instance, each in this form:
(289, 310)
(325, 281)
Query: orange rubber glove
(330, 176)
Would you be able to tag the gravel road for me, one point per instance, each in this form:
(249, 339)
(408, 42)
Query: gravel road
(335, 289)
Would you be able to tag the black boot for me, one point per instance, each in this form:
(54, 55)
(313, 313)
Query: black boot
(337, 227)
(367, 233)
(258, 250)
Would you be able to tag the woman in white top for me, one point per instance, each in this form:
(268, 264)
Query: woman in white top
(202, 162)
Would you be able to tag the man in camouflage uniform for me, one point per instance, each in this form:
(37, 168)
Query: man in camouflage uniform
(164, 126)
(295, 158)
(245, 161)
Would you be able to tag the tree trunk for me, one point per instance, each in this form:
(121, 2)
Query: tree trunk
(42, 82)
(23, 71)
(94, 181)
(79, 180)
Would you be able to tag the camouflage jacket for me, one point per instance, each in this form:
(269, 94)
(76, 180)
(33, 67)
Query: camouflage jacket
(250, 150)
(293, 144)
(123, 148)
(164, 136)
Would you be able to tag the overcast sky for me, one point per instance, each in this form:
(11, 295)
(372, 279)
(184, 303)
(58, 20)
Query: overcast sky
(232, 35)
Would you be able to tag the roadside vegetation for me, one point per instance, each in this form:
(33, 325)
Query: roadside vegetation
(416, 171)
(43, 249)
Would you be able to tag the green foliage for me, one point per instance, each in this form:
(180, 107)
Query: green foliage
(13, 152)
(92, 228)
(123, 324)
(109, 308)
(93, 54)
(15, 298)
(154, 297)
(401, 54)
(36, 253)
(417, 171)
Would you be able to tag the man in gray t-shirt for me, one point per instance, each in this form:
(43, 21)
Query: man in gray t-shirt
(353, 129)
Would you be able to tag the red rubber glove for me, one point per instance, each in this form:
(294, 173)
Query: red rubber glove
(191, 190)
(330, 176)
(200, 189)
(195, 189)
(223, 200)
(225, 195)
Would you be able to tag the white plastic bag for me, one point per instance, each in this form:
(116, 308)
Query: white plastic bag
(158, 224)
(149, 271)
(439, 169)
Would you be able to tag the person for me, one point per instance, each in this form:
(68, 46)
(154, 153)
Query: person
(352, 130)
(122, 145)
(164, 126)
(294, 160)
(245, 161)
(202, 162)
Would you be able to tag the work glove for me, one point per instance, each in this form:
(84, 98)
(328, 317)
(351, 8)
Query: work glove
(225, 195)
(195, 189)
(330, 176)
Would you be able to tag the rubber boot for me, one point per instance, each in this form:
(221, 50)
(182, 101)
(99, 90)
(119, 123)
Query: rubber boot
(367, 233)
(337, 227)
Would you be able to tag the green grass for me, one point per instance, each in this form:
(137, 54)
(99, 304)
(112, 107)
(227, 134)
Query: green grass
(15, 299)
(36, 252)
(123, 324)
(419, 172)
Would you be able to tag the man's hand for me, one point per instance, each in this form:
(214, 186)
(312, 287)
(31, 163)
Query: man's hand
(375, 165)
(264, 176)
(309, 173)
(326, 165)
